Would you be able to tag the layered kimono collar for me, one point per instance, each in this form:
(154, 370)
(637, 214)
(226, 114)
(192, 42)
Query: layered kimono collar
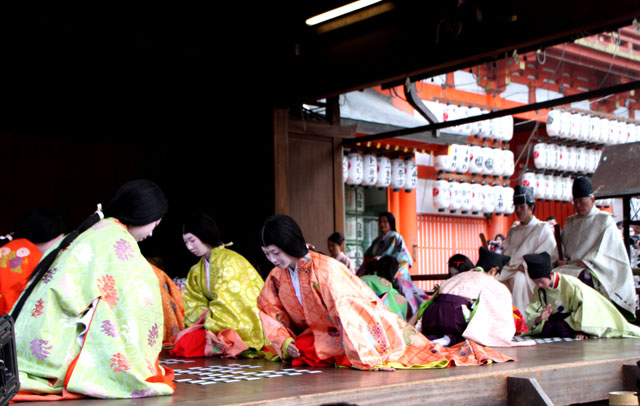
(534, 220)
(555, 280)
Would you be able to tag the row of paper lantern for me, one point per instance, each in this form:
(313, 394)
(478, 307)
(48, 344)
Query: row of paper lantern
(476, 160)
(369, 170)
(472, 197)
(582, 127)
(500, 128)
(549, 187)
(564, 158)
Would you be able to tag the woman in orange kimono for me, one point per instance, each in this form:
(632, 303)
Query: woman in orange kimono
(315, 311)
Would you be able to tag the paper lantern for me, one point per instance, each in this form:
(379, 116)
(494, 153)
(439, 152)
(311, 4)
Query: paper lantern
(630, 133)
(540, 157)
(444, 163)
(567, 184)
(508, 200)
(477, 198)
(475, 126)
(507, 128)
(456, 196)
(397, 174)
(605, 131)
(594, 129)
(488, 199)
(462, 157)
(484, 126)
(541, 184)
(345, 168)
(476, 159)
(495, 129)
(585, 127)
(441, 194)
(463, 112)
(370, 170)
(499, 205)
(553, 123)
(411, 175)
(498, 163)
(563, 158)
(467, 192)
(529, 179)
(574, 133)
(489, 158)
(571, 159)
(384, 172)
(581, 160)
(553, 156)
(509, 163)
(549, 187)
(355, 169)
(565, 125)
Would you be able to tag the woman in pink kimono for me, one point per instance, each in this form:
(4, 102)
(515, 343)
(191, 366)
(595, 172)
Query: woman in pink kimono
(316, 312)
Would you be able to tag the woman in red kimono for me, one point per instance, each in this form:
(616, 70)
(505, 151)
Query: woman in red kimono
(316, 312)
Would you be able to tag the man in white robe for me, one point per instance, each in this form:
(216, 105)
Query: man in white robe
(594, 251)
(531, 236)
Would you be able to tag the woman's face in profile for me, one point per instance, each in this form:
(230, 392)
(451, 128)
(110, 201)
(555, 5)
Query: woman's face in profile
(139, 233)
(278, 257)
(195, 245)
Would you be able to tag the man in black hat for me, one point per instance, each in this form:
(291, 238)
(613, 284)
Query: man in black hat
(531, 235)
(594, 251)
(566, 307)
(456, 313)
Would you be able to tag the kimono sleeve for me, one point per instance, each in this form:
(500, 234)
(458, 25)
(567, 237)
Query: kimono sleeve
(193, 297)
(274, 317)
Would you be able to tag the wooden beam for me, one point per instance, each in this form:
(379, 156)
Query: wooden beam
(526, 392)
(281, 159)
(338, 187)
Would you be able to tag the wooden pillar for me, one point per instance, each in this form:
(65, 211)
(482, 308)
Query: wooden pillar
(281, 159)
(338, 186)
(393, 202)
(409, 221)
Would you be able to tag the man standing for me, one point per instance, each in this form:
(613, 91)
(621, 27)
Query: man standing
(530, 236)
(594, 251)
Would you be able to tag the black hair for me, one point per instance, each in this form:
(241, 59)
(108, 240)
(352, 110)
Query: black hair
(204, 227)
(40, 225)
(137, 203)
(460, 262)
(337, 238)
(499, 235)
(387, 267)
(550, 218)
(390, 218)
(283, 232)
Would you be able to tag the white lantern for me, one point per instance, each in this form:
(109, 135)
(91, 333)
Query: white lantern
(411, 172)
(594, 129)
(567, 184)
(384, 172)
(637, 134)
(370, 170)
(507, 128)
(495, 128)
(508, 200)
(475, 126)
(467, 192)
(558, 185)
(553, 123)
(345, 168)
(509, 163)
(397, 174)
(488, 163)
(477, 198)
(463, 112)
(581, 160)
(498, 163)
(630, 133)
(614, 130)
(540, 157)
(355, 169)
(463, 156)
(499, 206)
(605, 131)
(563, 158)
(553, 156)
(571, 159)
(476, 159)
(541, 185)
(443, 163)
(456, 196)
(484, 127)
(488, 200)
(441, 195)
(585, 127)
(549, 187)
(574, 133)
(529, 179)
(592, 162)
(565, 125)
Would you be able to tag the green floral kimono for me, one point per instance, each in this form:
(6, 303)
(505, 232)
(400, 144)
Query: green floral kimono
(98, 306)
(392, 298)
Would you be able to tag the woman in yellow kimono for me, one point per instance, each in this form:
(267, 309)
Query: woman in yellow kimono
(314, 310)
(221, 291)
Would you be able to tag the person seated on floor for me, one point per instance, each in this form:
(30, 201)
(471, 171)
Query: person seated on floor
(172, 306)
(92, 325)
(20, 252)
(566, 307)
(471, 305)
(380, 277)
(334, 243)
(595, 253)
(314, 311)
(219, 297)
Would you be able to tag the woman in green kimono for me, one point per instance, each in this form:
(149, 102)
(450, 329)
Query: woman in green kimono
(380, 277)
(566, 307)
(92, 326)
(221, 291)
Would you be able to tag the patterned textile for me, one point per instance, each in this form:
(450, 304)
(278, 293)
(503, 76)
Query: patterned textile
(93, 324)
(18, 258)
(391, 297)
(389, 244)
(584, 310)
(172, 306)
(347, 319)
(230, 296)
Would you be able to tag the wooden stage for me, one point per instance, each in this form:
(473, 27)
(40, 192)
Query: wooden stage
(568, 372)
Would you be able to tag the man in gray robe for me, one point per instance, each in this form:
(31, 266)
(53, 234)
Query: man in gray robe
(531, 236)
(594, 251)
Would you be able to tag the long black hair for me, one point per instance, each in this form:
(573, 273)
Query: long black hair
(38, 226)
(203, 227)
(283, 232)
(390, 218)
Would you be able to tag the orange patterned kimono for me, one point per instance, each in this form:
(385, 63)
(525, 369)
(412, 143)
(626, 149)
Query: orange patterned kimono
(172, 306)
(18, 259)
(348, 323)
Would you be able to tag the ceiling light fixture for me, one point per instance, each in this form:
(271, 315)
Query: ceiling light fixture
(340, 11)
